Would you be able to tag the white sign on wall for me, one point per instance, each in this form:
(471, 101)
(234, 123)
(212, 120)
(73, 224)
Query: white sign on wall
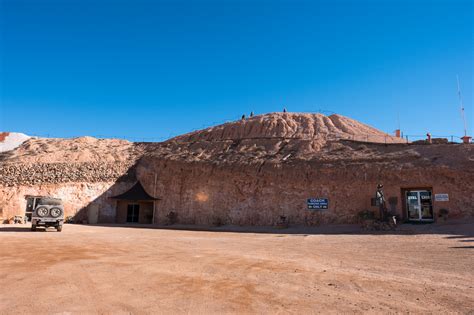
(441, 197)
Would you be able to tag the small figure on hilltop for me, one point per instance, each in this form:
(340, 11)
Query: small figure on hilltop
(251, 114)
(243, 117)
(284, 109)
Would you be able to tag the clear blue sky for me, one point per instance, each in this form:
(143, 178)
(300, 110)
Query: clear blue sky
(153, 69)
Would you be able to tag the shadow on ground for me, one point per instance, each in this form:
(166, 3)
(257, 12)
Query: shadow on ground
(452, 231)
(22, 228)
(463, 232)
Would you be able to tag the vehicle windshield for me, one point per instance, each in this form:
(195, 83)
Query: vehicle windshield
(49, 201)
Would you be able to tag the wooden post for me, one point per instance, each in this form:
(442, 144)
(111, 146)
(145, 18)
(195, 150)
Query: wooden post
(154, 201)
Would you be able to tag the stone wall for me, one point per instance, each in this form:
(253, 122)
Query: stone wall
(13, 174)
(205, 193)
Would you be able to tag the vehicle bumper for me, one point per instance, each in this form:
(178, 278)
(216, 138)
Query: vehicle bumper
(47, 222)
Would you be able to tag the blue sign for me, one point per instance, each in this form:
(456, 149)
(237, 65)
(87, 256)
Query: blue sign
(318, 203)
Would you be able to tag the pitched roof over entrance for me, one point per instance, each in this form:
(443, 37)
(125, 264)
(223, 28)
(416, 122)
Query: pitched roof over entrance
(137, 192)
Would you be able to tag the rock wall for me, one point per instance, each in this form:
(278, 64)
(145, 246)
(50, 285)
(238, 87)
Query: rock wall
(255, 194)
(13, 174)
(78, 184)
(247, 172)
(77, 198)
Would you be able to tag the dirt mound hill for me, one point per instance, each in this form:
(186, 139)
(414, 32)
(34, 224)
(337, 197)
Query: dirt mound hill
(74, 150)
(84, 159)
(291, 126)
(253, 171)
(259, 137)
(11, 140)
(272, 138)
(275, 137)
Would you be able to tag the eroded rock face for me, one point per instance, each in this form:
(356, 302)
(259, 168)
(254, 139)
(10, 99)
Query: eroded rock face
(77, 198)
(274, 137)
(315, 127)
(56, 173)
(75, 150)
(259, 192)
(82, 172)
(248, 172)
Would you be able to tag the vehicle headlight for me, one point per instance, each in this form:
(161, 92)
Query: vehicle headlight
(42, 211)
(55, 212)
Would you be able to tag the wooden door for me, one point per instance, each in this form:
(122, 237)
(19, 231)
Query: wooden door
(93, 214)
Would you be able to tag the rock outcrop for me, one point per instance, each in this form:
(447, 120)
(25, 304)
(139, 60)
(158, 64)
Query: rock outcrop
(31, 174)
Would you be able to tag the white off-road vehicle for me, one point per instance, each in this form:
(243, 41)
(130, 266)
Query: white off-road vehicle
(45, 212)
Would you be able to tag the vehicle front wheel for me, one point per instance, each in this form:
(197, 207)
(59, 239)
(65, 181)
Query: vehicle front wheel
(59, 228)
(33, 227)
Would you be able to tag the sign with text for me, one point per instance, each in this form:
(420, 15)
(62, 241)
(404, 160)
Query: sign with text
(441, 197)
(318, 203)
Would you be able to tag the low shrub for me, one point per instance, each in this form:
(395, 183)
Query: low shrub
(443, 213)
(366, 215)
(172, 218)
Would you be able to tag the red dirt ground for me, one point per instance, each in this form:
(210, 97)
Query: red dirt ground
(111, 269)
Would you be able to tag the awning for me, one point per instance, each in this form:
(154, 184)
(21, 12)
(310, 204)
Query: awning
(137, 192)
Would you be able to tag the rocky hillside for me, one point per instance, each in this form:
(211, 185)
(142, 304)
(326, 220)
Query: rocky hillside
(85, 159)
(298, 126)
(75, 150)
(276, 137)
(271, 138)
(258, 137)
(271, 163)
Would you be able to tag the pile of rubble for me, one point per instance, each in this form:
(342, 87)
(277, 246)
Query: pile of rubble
(54, 173)
(78, 150)
(302, 126)
(39, 161)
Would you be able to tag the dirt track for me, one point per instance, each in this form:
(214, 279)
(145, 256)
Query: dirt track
(92, 269)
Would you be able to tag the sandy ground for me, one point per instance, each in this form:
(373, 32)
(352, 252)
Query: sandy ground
(111, 269)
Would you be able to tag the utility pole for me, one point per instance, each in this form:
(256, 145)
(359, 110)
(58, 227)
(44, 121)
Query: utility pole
(462, 107)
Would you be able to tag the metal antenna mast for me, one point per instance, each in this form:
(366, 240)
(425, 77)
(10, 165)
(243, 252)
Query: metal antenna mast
(462, 107)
